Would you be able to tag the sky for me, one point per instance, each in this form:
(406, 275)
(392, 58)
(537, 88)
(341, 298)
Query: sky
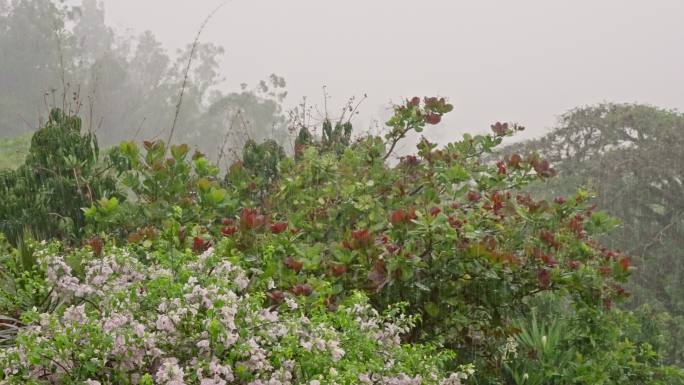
(525, 61)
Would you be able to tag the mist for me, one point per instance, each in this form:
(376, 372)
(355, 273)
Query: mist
(526, 61)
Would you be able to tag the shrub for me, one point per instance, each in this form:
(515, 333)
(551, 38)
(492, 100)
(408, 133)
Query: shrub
(558, 345)
(446, 232)
(198, 319)
(185, 187)
(60, 175)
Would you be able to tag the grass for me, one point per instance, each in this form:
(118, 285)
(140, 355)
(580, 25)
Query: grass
(13, 151)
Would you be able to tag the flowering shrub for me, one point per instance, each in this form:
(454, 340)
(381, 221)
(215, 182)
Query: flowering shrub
(445, 231)
(195, 319)
(262, 276)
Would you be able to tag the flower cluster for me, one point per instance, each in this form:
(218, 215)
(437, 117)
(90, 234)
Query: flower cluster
(194, 319)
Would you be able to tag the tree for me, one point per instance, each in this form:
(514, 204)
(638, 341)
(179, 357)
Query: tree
(61, 175)
(633, 157)
(122, 87)
(29, 61)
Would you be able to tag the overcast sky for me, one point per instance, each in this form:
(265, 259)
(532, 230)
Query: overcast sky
(526, 60)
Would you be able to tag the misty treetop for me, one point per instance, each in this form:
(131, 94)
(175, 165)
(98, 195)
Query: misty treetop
(123, 87)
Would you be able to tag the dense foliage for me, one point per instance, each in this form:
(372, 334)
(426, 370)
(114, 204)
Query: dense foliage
(633, 157)
(59, 176)
(280, 271)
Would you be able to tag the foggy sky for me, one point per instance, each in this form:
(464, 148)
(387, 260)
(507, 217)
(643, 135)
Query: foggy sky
(525, 61)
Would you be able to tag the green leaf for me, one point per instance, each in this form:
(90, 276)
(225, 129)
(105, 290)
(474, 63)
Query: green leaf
(217, 196)
(432, 309)
(456, 174)
(108, 205)
(89, 212)
(179, 151)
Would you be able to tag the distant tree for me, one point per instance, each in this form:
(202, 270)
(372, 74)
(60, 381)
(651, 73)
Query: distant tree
(29, 60)
(632, 156)
(58, 55)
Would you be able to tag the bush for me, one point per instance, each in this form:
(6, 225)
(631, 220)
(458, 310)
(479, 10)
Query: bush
(191, 319)
(560, 345)
(447, 233)
(444, 231)
(60, 175)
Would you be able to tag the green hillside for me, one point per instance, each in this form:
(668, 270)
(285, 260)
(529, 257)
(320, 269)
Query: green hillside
(13, 151)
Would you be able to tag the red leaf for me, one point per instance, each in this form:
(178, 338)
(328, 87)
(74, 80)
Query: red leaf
(276, 295)
(544, 278)
(96, 244)
(550, 239)
(499, 128)
(199, 245)
(605, 270)
(294, 264)
(501, 166)
(473, 196)
(624, 263)
(398, 217)
(515, 160)
(361, 238)
(302, 289)
(278, 227)
(433, 118)
(251, 219)
(228, 230)
(339, 270)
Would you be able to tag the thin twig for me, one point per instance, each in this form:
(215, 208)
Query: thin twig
(356, 107)
(225, 138)
(137, 132)
(396, 140)
(187, 71)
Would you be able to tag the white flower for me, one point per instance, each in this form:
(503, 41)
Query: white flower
(164, 323)
(307, 345)
(75, 314)
(337, 354)
(241, 282)
(292, 304)
(170, 373)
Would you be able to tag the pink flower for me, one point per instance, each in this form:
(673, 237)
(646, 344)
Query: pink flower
(164, 323)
